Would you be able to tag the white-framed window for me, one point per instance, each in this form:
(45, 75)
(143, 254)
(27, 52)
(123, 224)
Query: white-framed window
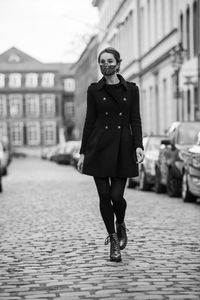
(69, 109)
(49, 132)
(17, 136)
(32, 105)
(2, 80)
(15, 105)
(3, 106)
(69, 85)
(48, 80)
(14, 58)
(15, 80)
(48, 104)
(31, 80)
(3, 129)
(33, 133)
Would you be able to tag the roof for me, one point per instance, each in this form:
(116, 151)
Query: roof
(16, 60)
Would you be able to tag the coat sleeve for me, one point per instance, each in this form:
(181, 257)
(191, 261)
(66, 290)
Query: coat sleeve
(136, 125)
(90, 119)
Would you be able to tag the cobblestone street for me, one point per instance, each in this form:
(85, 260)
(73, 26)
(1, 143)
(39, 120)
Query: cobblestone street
(52, 240)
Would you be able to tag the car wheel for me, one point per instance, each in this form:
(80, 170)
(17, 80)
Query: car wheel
(172, 185)
(131, 184)
(158, 187)
(143, 184)
(187, 196)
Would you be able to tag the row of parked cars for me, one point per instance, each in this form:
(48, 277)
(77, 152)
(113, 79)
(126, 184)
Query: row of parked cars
(172, 162)
(5, 159)
(65, 153)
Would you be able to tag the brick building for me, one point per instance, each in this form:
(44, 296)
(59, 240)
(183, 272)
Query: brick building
(36, 100)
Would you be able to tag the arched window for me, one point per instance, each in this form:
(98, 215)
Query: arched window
(188, 32)
(195, 29)
(181, 28)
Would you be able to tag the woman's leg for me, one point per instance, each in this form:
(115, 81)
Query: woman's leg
(116, 194)
(106, 209)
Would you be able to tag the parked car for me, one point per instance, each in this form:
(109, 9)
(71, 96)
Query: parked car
(1, 186)
(5, 157)
(191, 173)
(169, 166)
(75, 155)
(146, 178)
(64, 154)
(51, 153)
(44, 152)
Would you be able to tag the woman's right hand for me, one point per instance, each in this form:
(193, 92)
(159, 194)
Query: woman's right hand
(80, 163)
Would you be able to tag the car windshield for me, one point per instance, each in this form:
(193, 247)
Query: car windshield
(188, 133)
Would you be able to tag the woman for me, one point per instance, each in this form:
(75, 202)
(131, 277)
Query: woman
(112, 144)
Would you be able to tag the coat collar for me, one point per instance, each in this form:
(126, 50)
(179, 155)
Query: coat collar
(101, 83)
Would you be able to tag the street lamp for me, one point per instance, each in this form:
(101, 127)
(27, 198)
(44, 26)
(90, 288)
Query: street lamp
(177, 57)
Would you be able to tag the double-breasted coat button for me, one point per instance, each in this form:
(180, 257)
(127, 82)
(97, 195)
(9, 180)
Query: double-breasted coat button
(118, 127)
(106, 113)
(124, 99)
(104, 98)
(120, 113)
(106, 127)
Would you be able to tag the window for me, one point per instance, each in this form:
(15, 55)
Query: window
(48, 104)
(188, 32)
(33, 133)
(15, 105)
(17, 133)
(181, 29)
(32, 105)
(15, 80)
(48, 80)
(163, 4)
(69, 109)
(3, 106)
(49, 133)
(31, 80)
(69, 85)
(14, 58)
(195, 29)
(3, 129)
(2, 80)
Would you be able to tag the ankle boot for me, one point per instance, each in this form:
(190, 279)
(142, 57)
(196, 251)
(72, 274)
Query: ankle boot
(121, 234)
(115, 254)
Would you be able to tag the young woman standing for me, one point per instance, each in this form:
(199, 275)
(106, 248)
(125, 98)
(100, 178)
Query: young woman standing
(112, 144)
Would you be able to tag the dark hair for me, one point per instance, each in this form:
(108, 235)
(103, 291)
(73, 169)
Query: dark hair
(114, 52)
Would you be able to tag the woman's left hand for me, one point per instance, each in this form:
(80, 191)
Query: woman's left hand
(140, 155)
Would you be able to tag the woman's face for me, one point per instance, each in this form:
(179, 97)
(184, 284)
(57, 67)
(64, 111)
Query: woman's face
(108, 64)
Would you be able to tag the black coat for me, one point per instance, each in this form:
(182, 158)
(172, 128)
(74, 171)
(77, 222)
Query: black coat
(112, 131)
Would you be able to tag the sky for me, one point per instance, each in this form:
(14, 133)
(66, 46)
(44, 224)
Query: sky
(48, 30)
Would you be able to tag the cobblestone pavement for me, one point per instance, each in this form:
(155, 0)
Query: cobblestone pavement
(52, 240)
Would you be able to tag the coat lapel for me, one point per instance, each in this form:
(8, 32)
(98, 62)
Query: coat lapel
(121, 100)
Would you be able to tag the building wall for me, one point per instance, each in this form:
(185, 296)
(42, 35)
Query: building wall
(85, 72)
(145, 32)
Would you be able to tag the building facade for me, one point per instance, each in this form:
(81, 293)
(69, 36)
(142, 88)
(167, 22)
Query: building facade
(85, 72)
(36, 100)
(147, 34)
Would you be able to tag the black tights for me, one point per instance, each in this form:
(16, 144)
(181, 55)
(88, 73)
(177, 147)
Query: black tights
(111, 192)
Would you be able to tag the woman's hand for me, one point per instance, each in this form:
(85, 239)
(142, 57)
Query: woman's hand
(140, 155)
(80, 163)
